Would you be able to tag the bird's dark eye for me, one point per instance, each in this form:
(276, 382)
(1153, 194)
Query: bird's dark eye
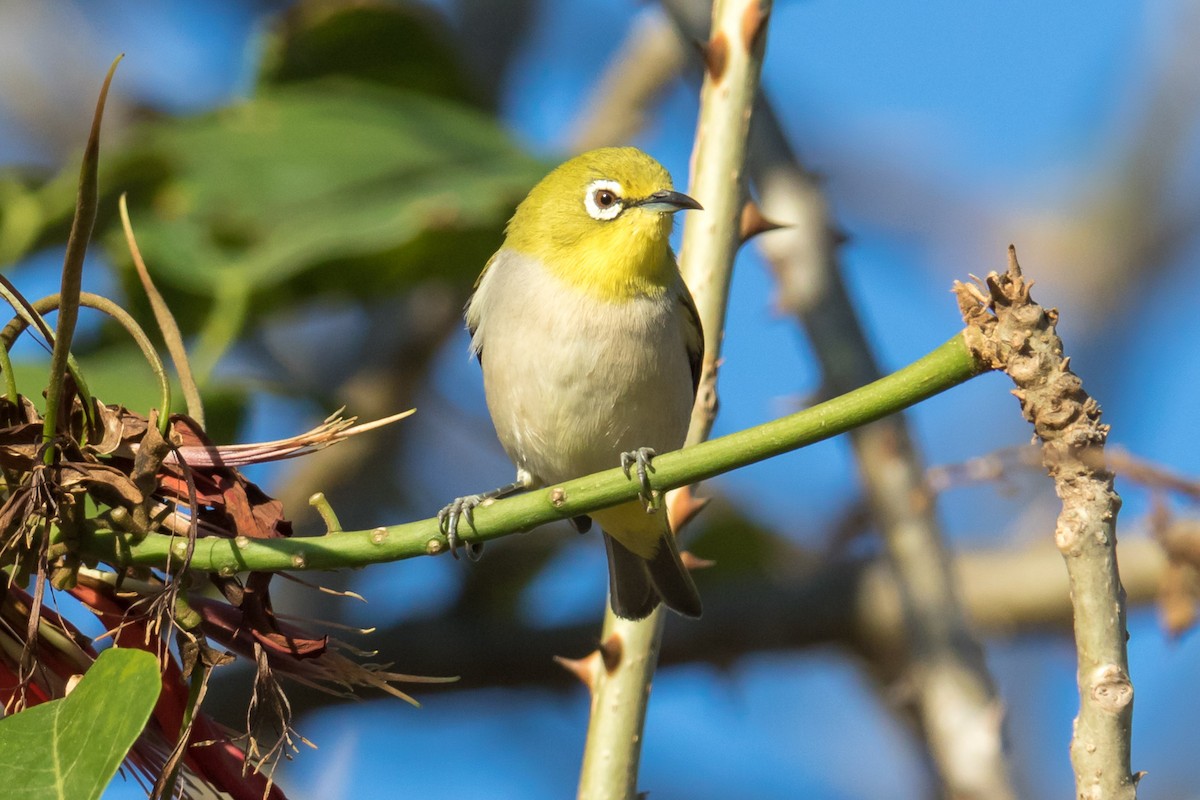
(605, 198)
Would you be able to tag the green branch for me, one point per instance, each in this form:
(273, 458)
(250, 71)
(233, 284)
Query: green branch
(942, 369)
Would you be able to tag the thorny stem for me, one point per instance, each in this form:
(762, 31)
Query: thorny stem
(733, 57)
(942, 369)
(619, 675)
(1007, 330)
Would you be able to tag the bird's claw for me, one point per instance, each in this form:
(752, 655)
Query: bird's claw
(448, 517)
(641, 460)
(464, 508)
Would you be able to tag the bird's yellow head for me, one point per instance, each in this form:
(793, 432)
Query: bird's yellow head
(602, 221)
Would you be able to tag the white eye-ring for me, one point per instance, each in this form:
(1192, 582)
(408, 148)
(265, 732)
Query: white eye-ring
(603, 200)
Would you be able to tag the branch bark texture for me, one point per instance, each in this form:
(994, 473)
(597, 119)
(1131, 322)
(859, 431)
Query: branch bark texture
(1009, 331)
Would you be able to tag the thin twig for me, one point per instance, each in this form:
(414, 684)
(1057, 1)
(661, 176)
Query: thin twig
(998, 465)
(1149, 474)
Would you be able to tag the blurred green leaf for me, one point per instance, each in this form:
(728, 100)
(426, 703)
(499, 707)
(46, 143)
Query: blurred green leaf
(733, 540)
(309, 175)
(403, 46)
(21, 218)
(71, 748)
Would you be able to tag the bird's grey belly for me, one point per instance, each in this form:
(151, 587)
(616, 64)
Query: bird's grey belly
(569, 393)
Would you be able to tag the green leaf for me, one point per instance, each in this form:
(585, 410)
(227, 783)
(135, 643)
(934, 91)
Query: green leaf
(404, 46)
(297, 175)
(71, 748)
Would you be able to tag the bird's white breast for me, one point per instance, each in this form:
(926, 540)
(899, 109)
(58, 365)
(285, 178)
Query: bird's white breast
(573, 380)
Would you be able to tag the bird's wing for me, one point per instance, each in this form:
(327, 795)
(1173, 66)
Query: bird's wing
(472, 325)
(695, 335)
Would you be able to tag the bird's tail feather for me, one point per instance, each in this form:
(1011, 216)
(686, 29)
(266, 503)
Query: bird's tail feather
(672, 579)
(630, 591)
(637, 585)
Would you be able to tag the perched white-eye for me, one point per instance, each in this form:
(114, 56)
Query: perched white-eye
(591, 347)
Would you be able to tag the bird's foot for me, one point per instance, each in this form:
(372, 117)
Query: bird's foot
(448, 519)
(640, 460)
(464, 508)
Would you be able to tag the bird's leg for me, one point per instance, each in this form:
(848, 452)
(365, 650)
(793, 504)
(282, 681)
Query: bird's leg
(641, 459)
(464, 508)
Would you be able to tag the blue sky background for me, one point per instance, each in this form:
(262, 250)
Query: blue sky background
(944, 131)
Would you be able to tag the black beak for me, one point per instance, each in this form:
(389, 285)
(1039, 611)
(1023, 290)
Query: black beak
(668, 202)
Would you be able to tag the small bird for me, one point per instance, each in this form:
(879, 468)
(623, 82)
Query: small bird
(591, 348)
